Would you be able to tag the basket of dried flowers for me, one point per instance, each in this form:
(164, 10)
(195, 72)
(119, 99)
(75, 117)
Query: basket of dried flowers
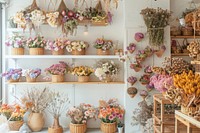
(77, 47)
(32, 74)
(103, 46)
(83, 73)
(12, 75)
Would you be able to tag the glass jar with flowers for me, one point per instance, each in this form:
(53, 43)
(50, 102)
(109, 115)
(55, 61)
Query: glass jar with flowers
(58, 71)
(32, 74)
(36, 100)
(103, 46)
(14, 115)
(55, 107)
(36, 45)
(106, 71)
(83, 73)
(110, 114)
(79, 116)
(17, 43)
(77, 47)
(57, 47)
(12, 75)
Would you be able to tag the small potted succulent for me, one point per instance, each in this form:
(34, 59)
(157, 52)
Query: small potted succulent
(77, 47)
(132, 80)
(103, 46)
(18, 43)
(131, 47)
(145, 79)
(139, 36)
(83, 73)
(32, 74)
(136, 66)
(12, 75)
(132, 91)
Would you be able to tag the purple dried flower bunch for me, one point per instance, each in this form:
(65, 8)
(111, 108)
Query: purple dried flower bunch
(58, 44)
(132, 80)
(32, 73)
(58, 69)
(139, 36)
(37, 42)
(12, 73)
(16, 41)
(103, 44)
(131, 48)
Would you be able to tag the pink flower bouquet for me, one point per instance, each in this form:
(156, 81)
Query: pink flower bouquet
(58, 69)
(132, 80)
(131, 48)
(58, 44)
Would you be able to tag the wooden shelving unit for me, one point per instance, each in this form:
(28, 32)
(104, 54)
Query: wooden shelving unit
(180, 54)
(184, 37)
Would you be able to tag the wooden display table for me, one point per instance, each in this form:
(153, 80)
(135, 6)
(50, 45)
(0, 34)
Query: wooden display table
(188, 121)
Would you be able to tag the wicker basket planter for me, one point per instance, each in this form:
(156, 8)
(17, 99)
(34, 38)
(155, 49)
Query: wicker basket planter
(57, 78)
(83, 78)
(187, 31)
(77, 128)
(36, 51)
(99, 23)
(17, 51)
(12, 80)
(101, 52)
(55, 130)
(187, 110)
(107, 78)
(28, 79)
(36, 121)
(108, 127)
(76, 52)
(15, 125)
(59, 52)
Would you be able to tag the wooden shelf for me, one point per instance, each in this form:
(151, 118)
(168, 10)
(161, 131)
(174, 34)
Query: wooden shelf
(62, 57)
(195, 62)
(66, 130)
(180, 54)
(40, 83)
(184, 37)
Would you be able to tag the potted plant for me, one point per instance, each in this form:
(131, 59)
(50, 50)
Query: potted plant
(145, 79)
(55, 107)
(83, 73)
(110, 112)
(106, 71)
(36, 101)
(58, 71)
(32, 74)
(141, 56)
(57, 47)
(132, 80)
(12, 75)
(14, 114)
(131, 47)
(149, 51)
(18, 43)
(148, 70)
(77, 47)
(79, 116)
(103, 46)
(36, 45)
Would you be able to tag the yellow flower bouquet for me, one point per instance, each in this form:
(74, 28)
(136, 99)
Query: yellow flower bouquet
(83, 73)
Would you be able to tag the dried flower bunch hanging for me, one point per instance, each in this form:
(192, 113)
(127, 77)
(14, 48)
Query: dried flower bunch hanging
(156, 20)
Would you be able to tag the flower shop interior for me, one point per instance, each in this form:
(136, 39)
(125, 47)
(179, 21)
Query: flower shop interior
(126, 66)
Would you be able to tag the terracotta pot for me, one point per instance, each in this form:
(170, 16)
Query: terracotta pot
(12, 80)
(36, 121)
(15, 125)
(28, 79)
(17, 51)
(59, 52)
(55, 130)
(108, 127)
(83, 78)
(57, 78)
(36, 51)
(77, 128)
(76, 52)
(101, 52)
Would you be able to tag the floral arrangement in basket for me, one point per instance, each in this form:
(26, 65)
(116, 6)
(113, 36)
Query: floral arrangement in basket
(156, 20)
(145, 79)
(148, 70)
(106, 70)
(58, 69)
(77, 45)
(140, 56)
(132, 80)
(32, 73)
(103, 44)
(136, 66)
(16, 41)
(12, 74)
(131, 47)
(37, 42)
(82, 113)
(57, 44)
(82, 71)
(110, 111)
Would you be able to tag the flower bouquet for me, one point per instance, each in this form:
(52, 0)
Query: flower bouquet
(132, 80)
(131, 48)
(83, 73)
(37, 17)
(103, 46)
(14, 115)
(143, 94)
(148, 51)
(148, 70)
(132, 91)
(57, 47)
(32, 74)
(58, 71)
(36, 45)
(136, 66)
(106, 70)
(79, 116)
(145, 79)
(110, 113)
(139, 36)
(12, 75)
(141, 56)
(77, 47)
(17, 42)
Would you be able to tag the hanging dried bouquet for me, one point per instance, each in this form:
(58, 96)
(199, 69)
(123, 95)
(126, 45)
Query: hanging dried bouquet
(156, 20)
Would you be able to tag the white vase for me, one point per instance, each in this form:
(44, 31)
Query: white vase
(182, 21)
(120, 129)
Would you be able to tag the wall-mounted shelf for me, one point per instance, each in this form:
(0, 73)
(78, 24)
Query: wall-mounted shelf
(41, 83)
(17, 30)
(180, 54)
(195, 62)
(184, 37)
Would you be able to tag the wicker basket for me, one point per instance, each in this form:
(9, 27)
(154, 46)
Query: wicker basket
(77, 128)
(28, 79)
(101, 52)
(36, 51)
(57, 78)
(15, 125)
(12, 80)
(176, 32)
(59, 52)
(55, 130)
(17, 51)
(108, 127)
(83, 78)
(187, 110)
(99, 23)
(76, 52)
(107, 78)
(187, 31)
